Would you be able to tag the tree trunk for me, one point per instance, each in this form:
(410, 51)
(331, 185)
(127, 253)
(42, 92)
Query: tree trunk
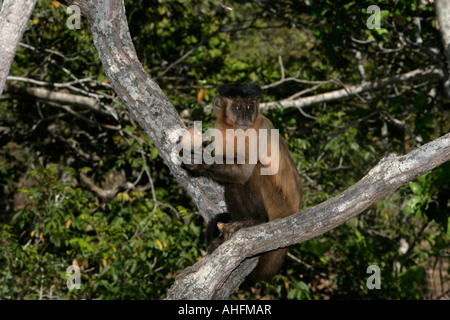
(443, 16)
(14, 16)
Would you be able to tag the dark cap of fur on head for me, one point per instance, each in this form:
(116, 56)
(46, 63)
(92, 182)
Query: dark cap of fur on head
(248, 90)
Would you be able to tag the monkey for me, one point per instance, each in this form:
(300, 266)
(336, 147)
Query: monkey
(252, 198)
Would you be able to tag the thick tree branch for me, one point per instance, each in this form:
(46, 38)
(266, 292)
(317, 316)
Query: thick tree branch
(58, 97)
(143, 97)
(204, 279)
(431, 73)
(14, 16)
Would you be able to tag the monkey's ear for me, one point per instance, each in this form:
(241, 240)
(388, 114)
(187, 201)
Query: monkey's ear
(217, 103)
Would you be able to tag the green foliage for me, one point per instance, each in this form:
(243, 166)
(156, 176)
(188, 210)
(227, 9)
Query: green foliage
(57, 167)
(131, 239)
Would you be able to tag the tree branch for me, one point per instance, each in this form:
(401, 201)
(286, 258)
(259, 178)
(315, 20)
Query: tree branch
(63, 98)
(206, 277)
(443, 16)
(431, 73)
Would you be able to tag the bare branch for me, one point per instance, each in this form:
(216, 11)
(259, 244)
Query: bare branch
(361, 70)
(443, 16)
(225, 6)
(431, 73)
(62, 98)
(181, 59)
(103, 193)
(206, 277)
(403, 124)
(296, 79)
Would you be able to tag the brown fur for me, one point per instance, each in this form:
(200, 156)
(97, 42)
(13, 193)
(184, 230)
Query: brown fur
(253, 198)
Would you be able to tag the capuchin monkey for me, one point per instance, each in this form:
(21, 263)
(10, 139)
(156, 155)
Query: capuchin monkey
(253, 196)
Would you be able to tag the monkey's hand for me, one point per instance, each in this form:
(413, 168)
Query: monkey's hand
(195, 169)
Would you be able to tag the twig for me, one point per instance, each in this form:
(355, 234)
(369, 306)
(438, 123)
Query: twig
(306, 265)
(181, 59)
(362, 73)
(403, 124)
(41, 287)
(225, 6)
(104, 194)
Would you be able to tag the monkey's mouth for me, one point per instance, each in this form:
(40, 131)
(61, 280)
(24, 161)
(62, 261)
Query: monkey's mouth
(242, 125)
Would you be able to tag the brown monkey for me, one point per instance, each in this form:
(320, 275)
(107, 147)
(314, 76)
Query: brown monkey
(251, 197)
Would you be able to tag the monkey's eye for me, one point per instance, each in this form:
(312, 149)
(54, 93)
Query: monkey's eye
(236, 107)
(250, 107)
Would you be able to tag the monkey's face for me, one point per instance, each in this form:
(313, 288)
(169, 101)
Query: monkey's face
(241, 113)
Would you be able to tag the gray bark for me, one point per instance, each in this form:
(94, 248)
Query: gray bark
(14, 16)
(49, 96)
(443, 16)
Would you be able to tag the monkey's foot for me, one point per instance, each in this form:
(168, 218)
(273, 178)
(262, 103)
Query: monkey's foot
(228, 229)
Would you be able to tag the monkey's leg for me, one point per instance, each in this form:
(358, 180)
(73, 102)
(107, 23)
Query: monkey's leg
(213, 234)
(269, 264)
(228, 229)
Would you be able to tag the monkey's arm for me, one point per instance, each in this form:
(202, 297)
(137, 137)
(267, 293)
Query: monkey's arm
(224, 173)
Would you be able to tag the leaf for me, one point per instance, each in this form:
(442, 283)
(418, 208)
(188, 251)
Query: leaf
(410, 205)
(448, 227)
(105, 270)
(84, 246)
(160, 245)
(154, 153)
(415, 188)
(101, 78)
(412, 275)
(200, 95)
(123, 196)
